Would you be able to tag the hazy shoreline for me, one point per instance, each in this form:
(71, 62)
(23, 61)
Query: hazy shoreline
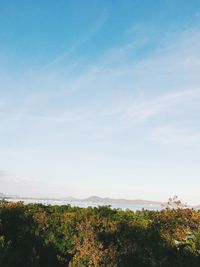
(87, 203)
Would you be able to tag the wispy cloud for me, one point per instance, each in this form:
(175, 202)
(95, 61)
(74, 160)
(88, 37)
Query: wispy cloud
(165, 77)
(118, 104)
(96, 26)
(139, 110)
(12, 183)
(2, 175)
(175, 134)
(8, 177)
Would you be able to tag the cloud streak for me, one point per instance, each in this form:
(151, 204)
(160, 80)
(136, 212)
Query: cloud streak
(94, 29)
(172, 134)
(105, 109)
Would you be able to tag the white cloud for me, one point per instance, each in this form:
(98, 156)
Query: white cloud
(176, 134)
(155, 96)
(140, 89)
(94, 29)
(21, 185)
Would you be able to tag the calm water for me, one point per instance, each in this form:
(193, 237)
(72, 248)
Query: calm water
(84, 204)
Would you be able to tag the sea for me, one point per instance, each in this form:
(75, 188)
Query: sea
(84, 204)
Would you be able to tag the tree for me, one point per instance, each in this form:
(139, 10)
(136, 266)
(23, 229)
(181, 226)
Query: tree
(175, 203)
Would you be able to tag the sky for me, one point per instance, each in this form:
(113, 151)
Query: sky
(100, 98)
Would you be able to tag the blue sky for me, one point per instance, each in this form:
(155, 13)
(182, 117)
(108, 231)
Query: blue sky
(100, 98)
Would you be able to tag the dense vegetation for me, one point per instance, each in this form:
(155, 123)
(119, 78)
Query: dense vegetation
(51, 236)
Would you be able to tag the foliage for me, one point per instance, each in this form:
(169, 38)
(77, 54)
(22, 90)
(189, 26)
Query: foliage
(36, 235)
(175, 203)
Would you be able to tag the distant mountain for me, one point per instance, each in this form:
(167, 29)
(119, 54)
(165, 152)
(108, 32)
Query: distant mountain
(69, 198)
(96, 200)
(106, 200)
(91, 199)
